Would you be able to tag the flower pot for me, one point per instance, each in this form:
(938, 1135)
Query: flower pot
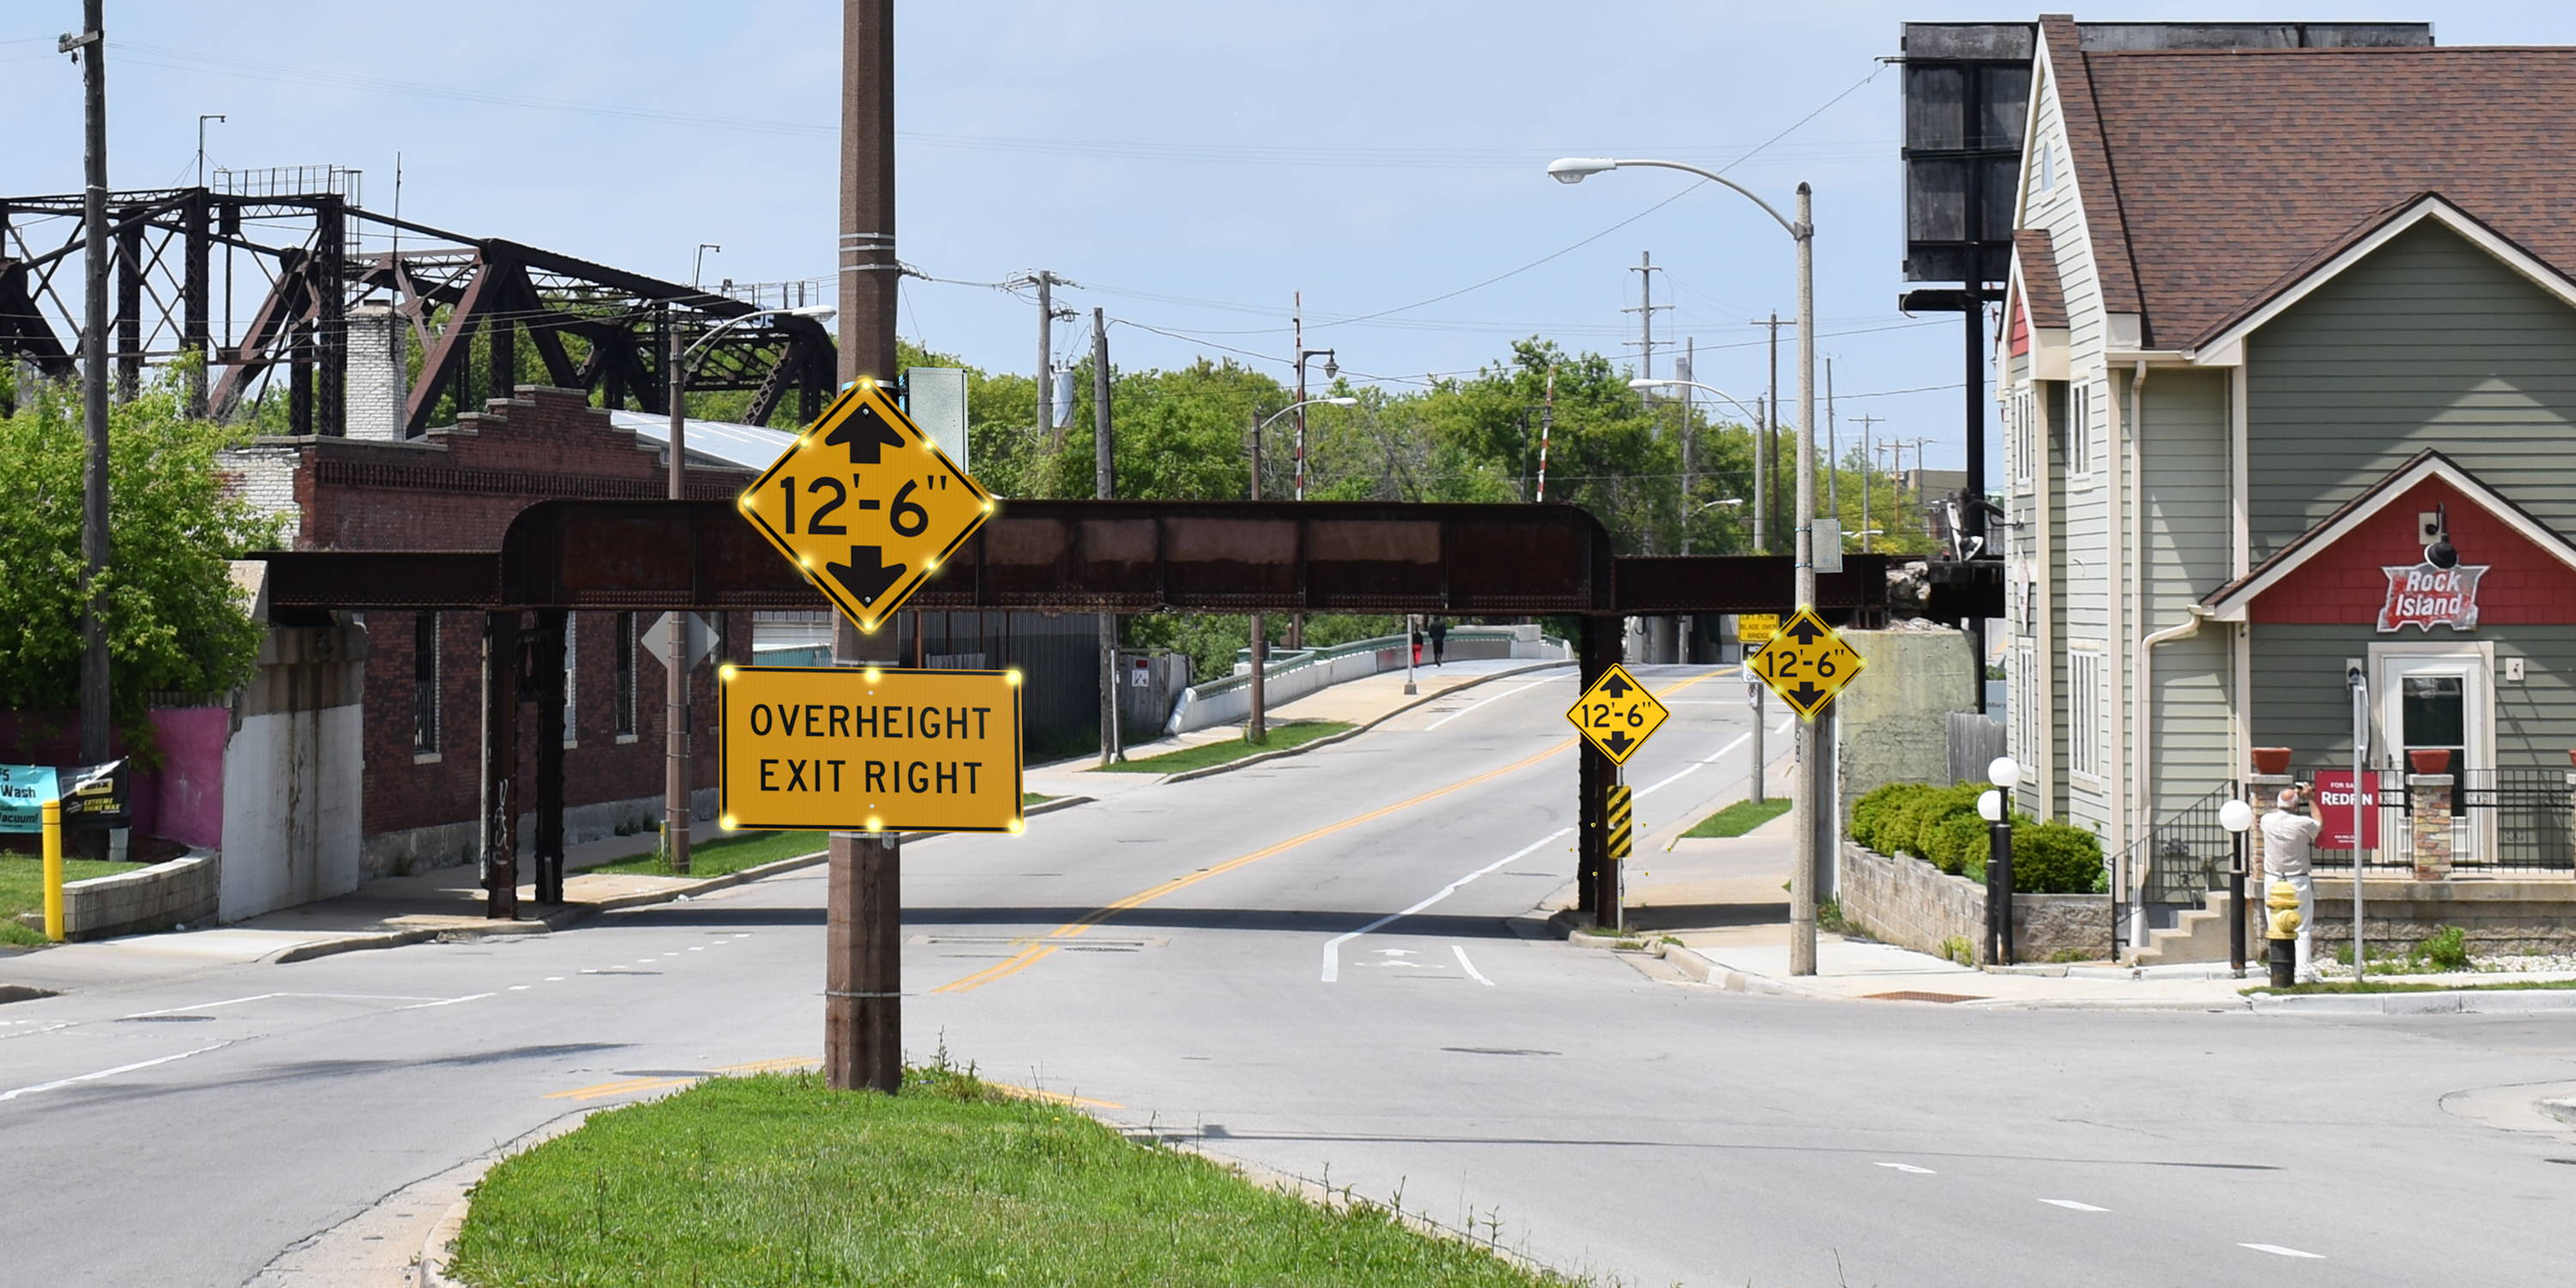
(2432, 760)
(2272, 761)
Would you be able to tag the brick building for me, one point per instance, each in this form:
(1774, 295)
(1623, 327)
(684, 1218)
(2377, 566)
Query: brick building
(457, 488)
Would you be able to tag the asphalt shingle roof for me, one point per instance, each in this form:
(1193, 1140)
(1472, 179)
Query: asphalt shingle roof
(2214, 176)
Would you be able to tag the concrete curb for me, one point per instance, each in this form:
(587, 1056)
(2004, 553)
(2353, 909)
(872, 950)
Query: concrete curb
(1346, 735)
(1692, 965)
(2448, 1002)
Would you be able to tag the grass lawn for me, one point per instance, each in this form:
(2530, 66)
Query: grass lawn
(1740, 817)
(2374, 986)
(776, 1180)
(1282, 737)
(729, 854)
(22, 889)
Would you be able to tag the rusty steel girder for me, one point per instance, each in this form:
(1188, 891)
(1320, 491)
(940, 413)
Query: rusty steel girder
(1087, 556)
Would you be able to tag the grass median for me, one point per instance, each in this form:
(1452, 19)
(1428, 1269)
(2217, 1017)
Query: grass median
(776, 1180)
(727, 855)
(22, 889)
(1740, 817)
(1282, 737)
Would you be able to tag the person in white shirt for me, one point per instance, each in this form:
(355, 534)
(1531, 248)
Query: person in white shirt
(2289, 848)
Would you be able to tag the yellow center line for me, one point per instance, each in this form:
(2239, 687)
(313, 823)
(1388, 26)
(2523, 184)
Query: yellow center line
(1052, 1097)
(1033, 953)
(605, 1089)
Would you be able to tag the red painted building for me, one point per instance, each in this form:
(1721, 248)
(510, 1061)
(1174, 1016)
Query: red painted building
(457, 488)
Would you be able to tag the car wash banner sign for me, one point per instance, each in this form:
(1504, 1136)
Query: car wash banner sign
(92, 795)
(2423, 596)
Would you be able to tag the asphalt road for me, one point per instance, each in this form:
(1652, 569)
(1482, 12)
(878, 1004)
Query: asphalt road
(1223, 960)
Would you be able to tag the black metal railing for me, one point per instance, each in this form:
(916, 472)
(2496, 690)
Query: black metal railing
(2503, 820)
(2182, 858)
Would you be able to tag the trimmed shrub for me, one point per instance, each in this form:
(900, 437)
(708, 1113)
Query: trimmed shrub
(1872, 813)
(1955, 841)
(1910, 830)
(2055, 858)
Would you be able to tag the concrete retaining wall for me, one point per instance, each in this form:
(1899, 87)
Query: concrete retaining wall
(1893, 726)
(180, 892)
(2500, 916)
(1229, 700)
(1907, 902)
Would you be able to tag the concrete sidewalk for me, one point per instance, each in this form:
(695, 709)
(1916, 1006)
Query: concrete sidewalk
(1717, 910)
(1359, 703)
(442, 903)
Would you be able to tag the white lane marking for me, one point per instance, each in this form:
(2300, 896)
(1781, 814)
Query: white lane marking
(1517, 688)
(2073, 1206)
(1696, 766)
(108, 1073)
(1395, 952)
(1908, 1168)
(446, 1001)
(262, 997)
(1333, 946)
(2279, 1251)
(699, 948)
(518, 988)
(1461, 950)
(554, 979)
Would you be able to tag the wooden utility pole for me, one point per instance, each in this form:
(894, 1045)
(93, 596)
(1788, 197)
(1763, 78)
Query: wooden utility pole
(91, 48)
(1867, 423)
(863, 935)
(1104, 484)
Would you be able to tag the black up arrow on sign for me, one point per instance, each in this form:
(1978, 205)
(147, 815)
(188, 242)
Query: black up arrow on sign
(865, 504)
(1616, 714)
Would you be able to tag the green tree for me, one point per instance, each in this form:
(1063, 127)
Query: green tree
(175, 621)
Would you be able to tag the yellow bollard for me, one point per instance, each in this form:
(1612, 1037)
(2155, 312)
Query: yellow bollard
(53, 822)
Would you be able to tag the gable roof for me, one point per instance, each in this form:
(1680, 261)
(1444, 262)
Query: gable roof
(2230, 602)
(2089, 157)
(2209, 177)
(2035, 254)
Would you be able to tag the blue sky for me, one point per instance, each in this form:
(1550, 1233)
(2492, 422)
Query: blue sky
(1190, 165)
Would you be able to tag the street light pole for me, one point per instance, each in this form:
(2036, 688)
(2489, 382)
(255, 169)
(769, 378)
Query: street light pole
(1256, 727)
(676, 806)
(1803, 878)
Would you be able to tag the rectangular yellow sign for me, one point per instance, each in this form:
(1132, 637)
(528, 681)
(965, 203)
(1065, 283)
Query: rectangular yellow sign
(870, 749)
(1756, 628)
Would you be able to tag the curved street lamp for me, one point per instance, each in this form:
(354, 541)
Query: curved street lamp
(675, 671)
(1256, 726)
(1811, 767)
(1760, 475)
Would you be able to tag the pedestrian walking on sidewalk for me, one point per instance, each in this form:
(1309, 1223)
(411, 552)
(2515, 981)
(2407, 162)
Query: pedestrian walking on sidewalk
(2289, 847)
(1439, 640)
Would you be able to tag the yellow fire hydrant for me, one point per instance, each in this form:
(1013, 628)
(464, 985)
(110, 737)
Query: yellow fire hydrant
(2281, 900)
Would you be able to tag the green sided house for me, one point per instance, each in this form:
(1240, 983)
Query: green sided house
(2288, 373)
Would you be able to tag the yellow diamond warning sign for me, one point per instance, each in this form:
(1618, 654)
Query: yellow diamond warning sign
(870, 749)
(1806, 663)
(866, 504)
(1617, 714)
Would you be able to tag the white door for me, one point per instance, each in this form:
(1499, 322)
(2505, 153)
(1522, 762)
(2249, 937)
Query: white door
(2438, 697)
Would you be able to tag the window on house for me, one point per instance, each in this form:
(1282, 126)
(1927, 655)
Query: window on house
(625, 675)
(2084, 712)
(2047, 167)
(2080, 435)
(571, 656)
(2026, 438)
(424, 684)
